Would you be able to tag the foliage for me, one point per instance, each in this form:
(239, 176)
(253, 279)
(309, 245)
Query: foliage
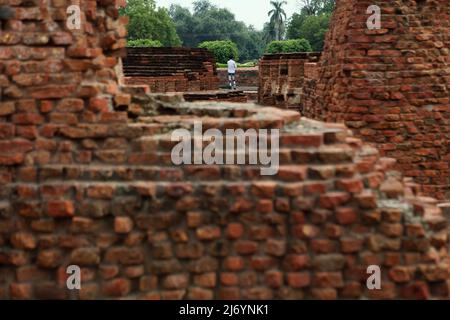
(222, 50)
(144, 43)
(286, 46)
(312, 28)
(312, 22)
(208, 22)
(277, 23)
(149, 22)
(317, 7)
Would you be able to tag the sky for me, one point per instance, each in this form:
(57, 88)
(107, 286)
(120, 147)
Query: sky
(252, 12)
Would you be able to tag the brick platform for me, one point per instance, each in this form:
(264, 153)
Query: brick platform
(171, 69)
(392, 86)
(86, 178)
(219, 96)
(283, 77)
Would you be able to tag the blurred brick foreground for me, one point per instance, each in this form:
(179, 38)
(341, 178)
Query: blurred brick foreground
(86, 179)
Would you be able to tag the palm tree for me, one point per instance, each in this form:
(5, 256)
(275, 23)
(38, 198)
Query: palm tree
(310, 7)
(277, 19)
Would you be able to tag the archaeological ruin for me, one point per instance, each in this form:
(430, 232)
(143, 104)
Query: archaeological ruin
(286, 78)
(391, 85)
(171, 69)
(87, 178)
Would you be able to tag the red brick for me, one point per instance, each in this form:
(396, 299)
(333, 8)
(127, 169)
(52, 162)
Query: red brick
(119, 287)
(229, 279)
(23, 240)
(263, 189)
(60, 209)
(52, 92)
(276, 247)
(200, 294)
(208, 233)
(235, 230)
(85, 256)
(299, 280)
(100, 192)
(7, 108)
(234, 263)
(108, 271)
(245, 247)
(179, 281)
(346, 216)
(206, 280)
(324, 294)
(50, 258)
(274, 279)
(123, 225)
(21, 291)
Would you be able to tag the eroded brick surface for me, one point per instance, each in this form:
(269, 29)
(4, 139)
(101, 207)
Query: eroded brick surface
(86, 178)
(284, 78)
(391, 85)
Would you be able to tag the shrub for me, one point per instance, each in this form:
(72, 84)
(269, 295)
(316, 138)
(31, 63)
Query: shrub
(286, 46)
(144, 43)
(221, 50)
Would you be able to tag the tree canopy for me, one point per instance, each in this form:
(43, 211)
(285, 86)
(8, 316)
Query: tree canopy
(222, 50)
(312, 22)
(149, 22)
(208, 22)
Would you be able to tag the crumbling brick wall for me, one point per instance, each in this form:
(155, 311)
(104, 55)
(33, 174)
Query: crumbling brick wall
(391, 85)
(283, 77)
(171, 69)
(86, 178)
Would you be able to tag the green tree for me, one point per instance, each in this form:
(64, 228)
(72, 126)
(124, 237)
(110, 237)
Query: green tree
(222, 50)
(294, 25)
(184, 24)
(314, 29)
(149, 22)
(208, 22)
(277, 19)
(316, 7)
(312, 22)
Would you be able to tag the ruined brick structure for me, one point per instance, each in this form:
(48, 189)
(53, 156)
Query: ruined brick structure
(283, 78)
(245, 77)
(392, 86)
(86, 178)
(171, 69)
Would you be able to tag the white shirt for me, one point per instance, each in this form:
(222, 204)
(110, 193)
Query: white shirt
(231, 66)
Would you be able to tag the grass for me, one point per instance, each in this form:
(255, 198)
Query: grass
(240, 65)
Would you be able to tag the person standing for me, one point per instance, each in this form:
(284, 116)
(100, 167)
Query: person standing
(232, 67)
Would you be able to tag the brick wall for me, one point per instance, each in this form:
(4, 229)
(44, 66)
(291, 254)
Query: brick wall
(283, 77)
(171, 69)
(86, 178)
(245, 77)
(391, 86)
